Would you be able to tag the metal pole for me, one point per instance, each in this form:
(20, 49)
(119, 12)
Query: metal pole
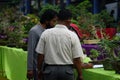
(62, 6)
(45, 1)
(39, 6)
(96, 6)
(27, 6)
(68, 2)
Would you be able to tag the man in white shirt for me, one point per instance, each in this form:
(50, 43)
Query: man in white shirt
(60, 49)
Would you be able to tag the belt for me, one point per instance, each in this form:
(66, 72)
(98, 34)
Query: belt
(58, 64)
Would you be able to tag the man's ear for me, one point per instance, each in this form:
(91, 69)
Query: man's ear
(46, 22)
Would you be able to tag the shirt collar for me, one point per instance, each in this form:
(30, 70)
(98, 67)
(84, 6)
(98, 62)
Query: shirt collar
(61, 26)
(39, 26)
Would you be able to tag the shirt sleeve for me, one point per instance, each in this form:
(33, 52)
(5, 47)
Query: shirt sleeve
(32, 41)
(41, 44)
(76, 47)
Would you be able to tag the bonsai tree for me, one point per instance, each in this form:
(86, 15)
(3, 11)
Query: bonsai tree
(111, 51)
(109, 46)
(105, 17)
(49, 6)
(89, 23)
(94, 54)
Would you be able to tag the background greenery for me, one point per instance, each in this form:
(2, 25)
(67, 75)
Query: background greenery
(14, 25)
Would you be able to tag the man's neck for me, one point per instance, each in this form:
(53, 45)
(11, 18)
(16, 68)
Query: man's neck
(42, 25)
(61, 22)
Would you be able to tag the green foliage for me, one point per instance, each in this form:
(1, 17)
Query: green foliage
(48, 6)
(11, 17)
(29, 21)
(75, 22)
(15, 2)
(82, 16)
(94, 53)
(109, 46)
(87, 21)
(11, 29)
(116, 38)
(15, 33)
(81, 9)
(105, 17)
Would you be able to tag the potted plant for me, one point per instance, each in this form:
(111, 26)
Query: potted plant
(110, 24)
(85, 21)
(28, 21)
(10, 26)
(93, 25)
(111, 54)
(117, 52)
(15, 34)
(94, 54)
(3, 35)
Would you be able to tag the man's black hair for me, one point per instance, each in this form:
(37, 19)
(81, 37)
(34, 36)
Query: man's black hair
(48, 15)
(64, 14)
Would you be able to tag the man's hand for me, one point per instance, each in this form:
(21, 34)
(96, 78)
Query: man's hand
(30, 74)
(80, 77)
(40, 75)
(87, 65)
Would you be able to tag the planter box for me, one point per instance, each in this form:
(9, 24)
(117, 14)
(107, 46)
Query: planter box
(95, 41)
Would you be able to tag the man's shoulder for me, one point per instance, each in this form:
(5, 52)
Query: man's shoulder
(72, 32)
(33, 28)
(36, 28)
(47, 30)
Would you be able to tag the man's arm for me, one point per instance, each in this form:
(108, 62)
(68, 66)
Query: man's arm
(32, 40)
(78, 66)
(39, 66)
(40, 61)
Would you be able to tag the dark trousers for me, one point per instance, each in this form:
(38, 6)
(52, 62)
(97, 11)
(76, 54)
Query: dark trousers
(35, 75)
(58, 72)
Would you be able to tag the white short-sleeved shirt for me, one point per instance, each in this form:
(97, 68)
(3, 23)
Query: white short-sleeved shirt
(59, 45)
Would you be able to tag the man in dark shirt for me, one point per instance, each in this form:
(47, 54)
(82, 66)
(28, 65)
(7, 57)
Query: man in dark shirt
(47, 20)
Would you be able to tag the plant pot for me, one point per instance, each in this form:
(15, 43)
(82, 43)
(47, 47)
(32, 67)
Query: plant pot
(94, 41)
(117, 66)
(108, 64)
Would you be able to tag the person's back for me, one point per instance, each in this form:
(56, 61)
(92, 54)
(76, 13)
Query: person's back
(58, 46)
(60, 49)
